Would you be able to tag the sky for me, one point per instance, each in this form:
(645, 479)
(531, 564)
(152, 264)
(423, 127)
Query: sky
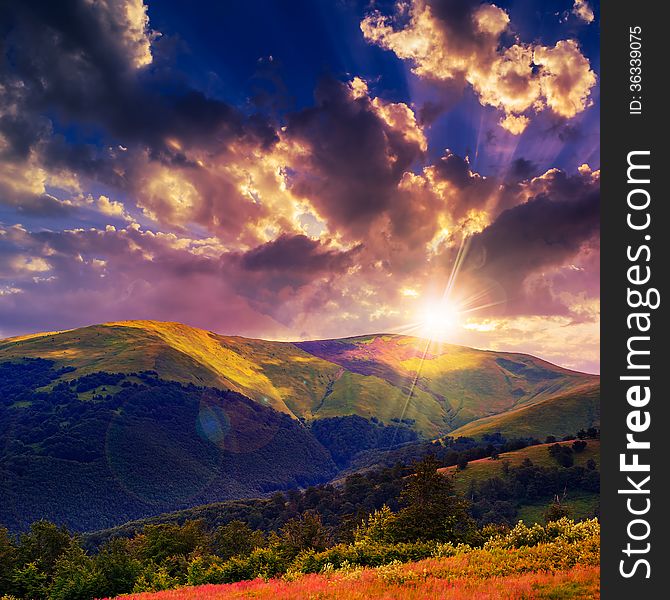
(305, 169)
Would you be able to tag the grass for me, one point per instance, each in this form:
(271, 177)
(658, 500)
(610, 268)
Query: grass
(581, 505)
(564, 567)
(562, 415)
(578, 583)
(368, 375)
(485, 468)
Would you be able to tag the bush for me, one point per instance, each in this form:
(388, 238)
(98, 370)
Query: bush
(563, 454)
(155, 578)
(236, 539)
(363, 554)
(262, 562)
(579, 445)
(378, 527)
(564, 529)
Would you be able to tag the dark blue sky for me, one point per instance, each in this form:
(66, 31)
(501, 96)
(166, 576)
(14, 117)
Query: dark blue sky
(224, 48)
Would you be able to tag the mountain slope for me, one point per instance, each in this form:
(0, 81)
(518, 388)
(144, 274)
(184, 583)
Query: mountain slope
(139, 447)
(433, 389)
(560, 415)
(581, 503)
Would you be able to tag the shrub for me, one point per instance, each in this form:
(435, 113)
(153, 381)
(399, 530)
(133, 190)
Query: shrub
(363, 554)
(378, 527)
(564, 530)
(155, 578)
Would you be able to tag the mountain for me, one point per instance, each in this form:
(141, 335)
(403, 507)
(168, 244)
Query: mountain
(113, 422)
(561, 415)
(139, 447)
(434, 388)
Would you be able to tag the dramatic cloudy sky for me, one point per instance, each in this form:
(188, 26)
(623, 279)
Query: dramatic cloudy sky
(304, 169)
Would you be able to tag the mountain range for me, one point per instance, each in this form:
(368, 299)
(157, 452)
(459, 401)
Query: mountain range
(123, 420)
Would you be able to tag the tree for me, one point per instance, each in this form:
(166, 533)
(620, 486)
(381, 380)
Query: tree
(563, 454)
(378, 527)
(167, 540)
(556, 510)
(305, 532)
(579, 445)
(28, 581)
(462, 462)
(43, 545)
(236, 539)
(77, 577)
(8, 561)
(431, 508)
(119, 567)
(593, 432)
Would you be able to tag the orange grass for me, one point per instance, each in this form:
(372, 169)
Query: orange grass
(575, 583)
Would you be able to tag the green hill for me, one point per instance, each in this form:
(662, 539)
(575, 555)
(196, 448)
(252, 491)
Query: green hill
(581, 504)
(435, 389)
(486, 468)
(138, 447)
(561, 415)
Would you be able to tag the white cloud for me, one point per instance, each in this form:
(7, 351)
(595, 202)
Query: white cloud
(519, 80)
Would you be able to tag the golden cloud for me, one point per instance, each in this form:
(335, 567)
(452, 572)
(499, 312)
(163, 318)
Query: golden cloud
(506, 78)
(583, 11)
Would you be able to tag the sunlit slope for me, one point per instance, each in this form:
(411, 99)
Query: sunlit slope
(486, 468)
(464, 384)
(185, 354)
(563, 414)
(434, 389)
(580, 504)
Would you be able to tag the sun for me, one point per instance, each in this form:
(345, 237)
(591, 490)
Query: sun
(440, 319)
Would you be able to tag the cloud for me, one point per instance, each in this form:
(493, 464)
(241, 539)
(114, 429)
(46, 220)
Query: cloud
(524, 247)
(24, 185)
(296, 254)
(112, 208)
(351, 152)
(99, 64)
(89, 275)
(466, 41)
(583, 11)
(566, 79)
(173, 153)
(92, 275)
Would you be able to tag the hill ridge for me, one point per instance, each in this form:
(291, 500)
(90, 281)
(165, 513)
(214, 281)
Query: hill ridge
(372, 375)
(135, 322)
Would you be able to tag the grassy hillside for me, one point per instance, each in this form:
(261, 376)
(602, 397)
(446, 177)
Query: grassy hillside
(561, 415)
(581, 504)
(486, 468)
(434, 389)
(558, 566)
